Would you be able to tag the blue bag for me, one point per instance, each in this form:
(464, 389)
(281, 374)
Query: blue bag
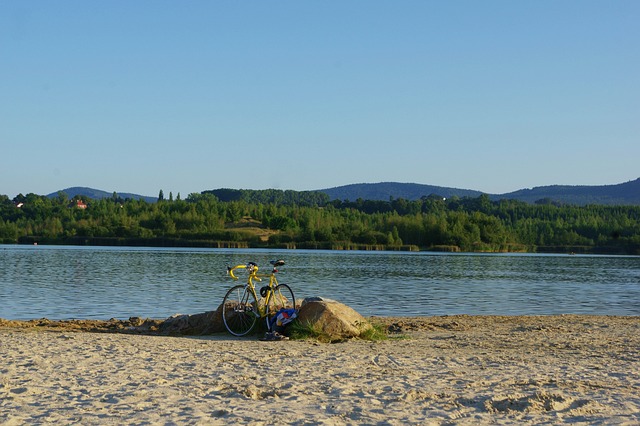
(283, 317)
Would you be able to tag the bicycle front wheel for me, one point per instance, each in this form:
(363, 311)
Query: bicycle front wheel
(282, 298)
(239, 310)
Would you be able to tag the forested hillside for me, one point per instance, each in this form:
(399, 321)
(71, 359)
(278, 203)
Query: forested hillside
(384, 191)
(97, 194)
(627, 193)
(307, 220)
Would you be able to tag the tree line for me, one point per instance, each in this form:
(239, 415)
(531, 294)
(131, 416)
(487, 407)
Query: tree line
(290, 219)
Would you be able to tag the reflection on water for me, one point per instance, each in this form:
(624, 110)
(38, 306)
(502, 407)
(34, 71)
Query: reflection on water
(101, 283)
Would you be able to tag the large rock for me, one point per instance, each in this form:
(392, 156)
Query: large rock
(331, 318)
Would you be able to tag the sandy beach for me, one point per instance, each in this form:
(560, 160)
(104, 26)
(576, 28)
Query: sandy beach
(433, 370)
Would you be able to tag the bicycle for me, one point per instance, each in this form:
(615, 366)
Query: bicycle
(241, 307)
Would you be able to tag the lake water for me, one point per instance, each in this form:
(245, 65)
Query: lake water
(62, 282)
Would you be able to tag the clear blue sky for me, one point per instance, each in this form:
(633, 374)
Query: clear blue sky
(185, 96)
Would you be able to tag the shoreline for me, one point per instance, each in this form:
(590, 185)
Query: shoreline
(459, 369)
(393, 324)
(173, 243)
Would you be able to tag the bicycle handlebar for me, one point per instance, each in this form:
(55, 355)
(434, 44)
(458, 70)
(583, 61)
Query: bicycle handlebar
(252, 267)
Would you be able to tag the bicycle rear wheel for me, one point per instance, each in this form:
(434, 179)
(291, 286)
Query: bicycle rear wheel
(239, 310)
(282, 298)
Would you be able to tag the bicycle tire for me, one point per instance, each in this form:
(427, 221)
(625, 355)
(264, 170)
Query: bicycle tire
(282, 297)
(239, 311)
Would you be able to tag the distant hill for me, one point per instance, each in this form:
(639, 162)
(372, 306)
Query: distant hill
(627, 193)
(385, 190)
(621, 194)
(96, 194)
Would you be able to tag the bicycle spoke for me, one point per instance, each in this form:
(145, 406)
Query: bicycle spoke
(239, 311)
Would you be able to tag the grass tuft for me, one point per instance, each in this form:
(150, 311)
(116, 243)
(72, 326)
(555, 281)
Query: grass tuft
(374, 333)
(299, 330)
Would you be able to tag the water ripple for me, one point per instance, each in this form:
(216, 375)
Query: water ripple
(101, 283)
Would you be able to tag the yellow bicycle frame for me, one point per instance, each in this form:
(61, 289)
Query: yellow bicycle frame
(253, 275)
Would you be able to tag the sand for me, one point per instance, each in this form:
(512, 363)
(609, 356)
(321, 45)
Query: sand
(435, 370)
